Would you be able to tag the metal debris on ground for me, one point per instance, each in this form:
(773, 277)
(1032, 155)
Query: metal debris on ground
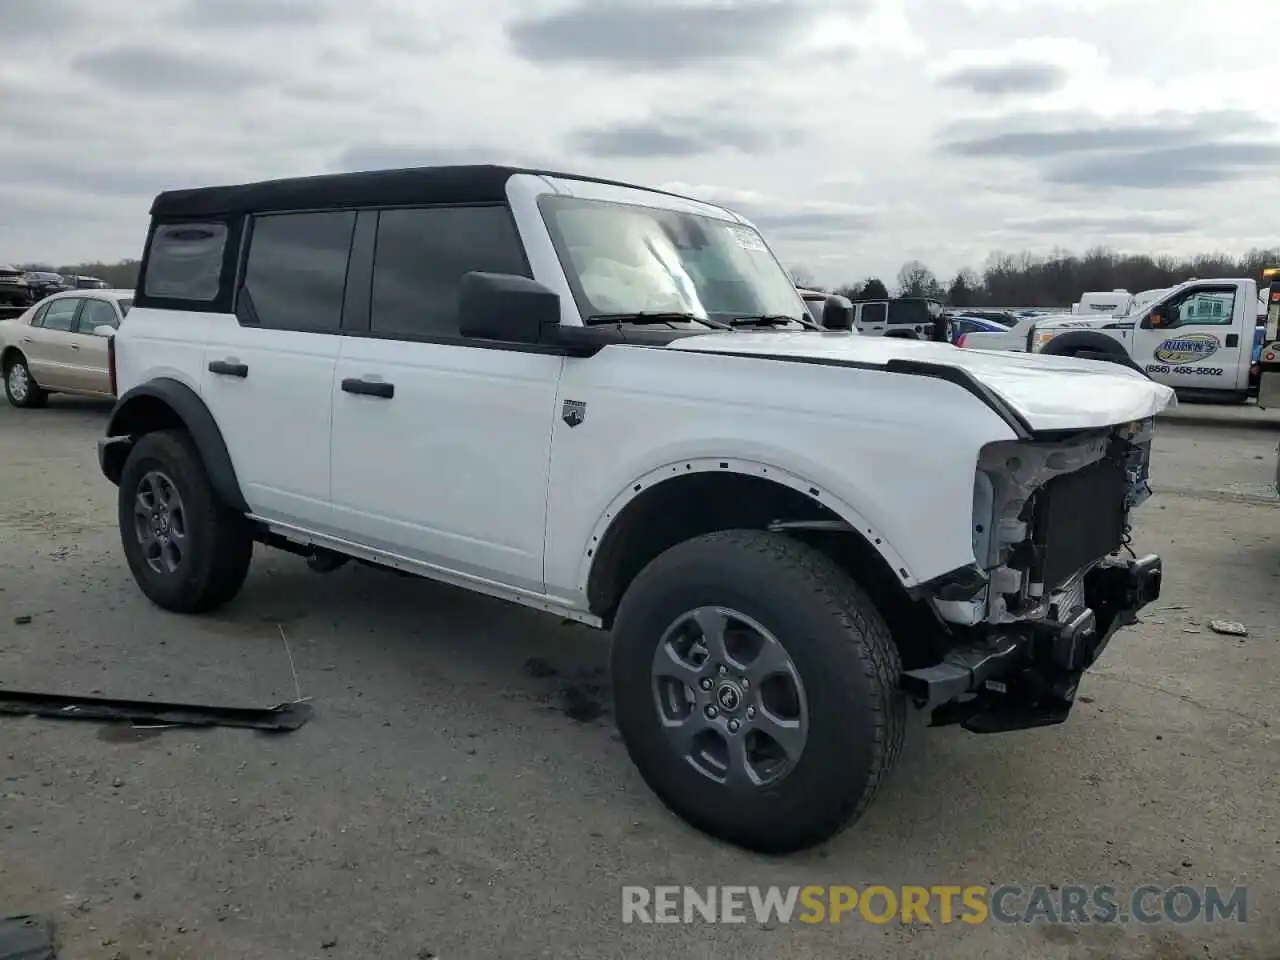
(26, 938)
(284, 718)
(1229, 627)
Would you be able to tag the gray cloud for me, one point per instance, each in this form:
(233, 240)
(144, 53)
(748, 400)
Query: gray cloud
(673, 136)
(393, 156)
(1163, 151)
(24, 19)
(1040, 135)
(812, 224)
(1124, 224)
(139, 69)
(1186, 166)
(239, 14)
(661, 34)
(1000, 80)
(125, 180)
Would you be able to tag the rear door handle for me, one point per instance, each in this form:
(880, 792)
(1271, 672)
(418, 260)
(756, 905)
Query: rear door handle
(369, 388)
(229, 368)
(76, 346)
(26, 339)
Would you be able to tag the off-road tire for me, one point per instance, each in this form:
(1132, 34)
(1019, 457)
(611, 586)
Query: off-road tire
(220, 542)
(838, 643)
(36, 396)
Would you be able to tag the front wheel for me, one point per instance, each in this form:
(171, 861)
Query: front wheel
(756, 689)
(20, 387)
(188, 552)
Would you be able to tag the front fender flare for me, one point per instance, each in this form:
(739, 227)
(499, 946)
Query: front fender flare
(156, 404)
(748, 467)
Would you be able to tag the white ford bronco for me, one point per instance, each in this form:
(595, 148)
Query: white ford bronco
(609, 403)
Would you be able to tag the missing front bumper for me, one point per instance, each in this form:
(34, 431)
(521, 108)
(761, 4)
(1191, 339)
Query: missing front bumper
(1025, 675)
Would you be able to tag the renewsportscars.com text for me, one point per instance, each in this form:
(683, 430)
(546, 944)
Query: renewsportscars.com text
(942, 904)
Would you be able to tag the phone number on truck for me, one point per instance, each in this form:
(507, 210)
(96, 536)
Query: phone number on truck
(1184, 371)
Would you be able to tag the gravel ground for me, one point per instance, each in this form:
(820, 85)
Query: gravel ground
(449, 800)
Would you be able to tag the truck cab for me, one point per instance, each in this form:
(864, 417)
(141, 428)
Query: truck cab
(1197, 337)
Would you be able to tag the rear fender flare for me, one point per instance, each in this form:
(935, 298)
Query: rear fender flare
(156, 404)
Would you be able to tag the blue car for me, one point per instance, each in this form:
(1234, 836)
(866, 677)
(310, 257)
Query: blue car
(962, 324)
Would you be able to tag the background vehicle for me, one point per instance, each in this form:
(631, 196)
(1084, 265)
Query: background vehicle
(1198, 337)
(611, 404)
(914, 318)
(964, 324)
(61, 345)
(44, 284)
(14, 289)
(1103, 302)
(88, 283)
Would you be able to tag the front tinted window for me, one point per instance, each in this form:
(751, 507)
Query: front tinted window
(184, 262)
(421, 257)
(909, 311)
(60, 314)
(297, 269)
(96, 313)
(1207, 307)
(873, 313)
(624, 258)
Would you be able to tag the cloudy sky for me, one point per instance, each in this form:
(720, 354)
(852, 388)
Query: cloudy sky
(858, 134)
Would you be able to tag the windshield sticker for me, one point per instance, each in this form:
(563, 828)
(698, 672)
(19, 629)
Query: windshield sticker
(1192, 348)
(747, 239)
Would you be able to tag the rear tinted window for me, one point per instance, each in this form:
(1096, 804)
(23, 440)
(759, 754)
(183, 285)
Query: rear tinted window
(297, 269)
(909, 311)
(185, 261)
(873, 313)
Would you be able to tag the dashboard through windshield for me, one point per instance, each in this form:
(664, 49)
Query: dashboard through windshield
(627, 259)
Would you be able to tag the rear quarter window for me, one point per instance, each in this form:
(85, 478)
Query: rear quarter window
(185, 261)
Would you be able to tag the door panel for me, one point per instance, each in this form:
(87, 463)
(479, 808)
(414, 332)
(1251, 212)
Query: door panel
(1199, 343)
(273, 403)
(451, 469)
(270, 376)
(91, 350)
(49, 347)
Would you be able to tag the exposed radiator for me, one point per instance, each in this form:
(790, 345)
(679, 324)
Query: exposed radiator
(1080, 518)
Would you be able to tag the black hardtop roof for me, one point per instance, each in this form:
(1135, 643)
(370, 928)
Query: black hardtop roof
(471, 183)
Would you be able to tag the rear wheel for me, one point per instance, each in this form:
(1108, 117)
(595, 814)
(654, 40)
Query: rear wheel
(187, 551)
(756, 689)
(20, 387)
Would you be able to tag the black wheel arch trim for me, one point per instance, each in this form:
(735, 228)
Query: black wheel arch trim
(1074, 340)
(194, 415)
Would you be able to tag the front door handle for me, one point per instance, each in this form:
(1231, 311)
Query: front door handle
(1233, 339)
(369, 388)
(75, 346)
(229, 368)
(26, 339)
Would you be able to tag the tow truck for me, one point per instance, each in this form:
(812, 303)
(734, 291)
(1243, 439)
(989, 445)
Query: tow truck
(1199, 337)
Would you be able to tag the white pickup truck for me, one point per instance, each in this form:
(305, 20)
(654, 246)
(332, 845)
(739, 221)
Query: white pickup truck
(609, 403)
(1197, 337)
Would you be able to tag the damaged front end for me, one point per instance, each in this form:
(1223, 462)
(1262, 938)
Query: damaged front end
(1053, 579)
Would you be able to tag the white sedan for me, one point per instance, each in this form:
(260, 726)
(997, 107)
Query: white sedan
(60, 346)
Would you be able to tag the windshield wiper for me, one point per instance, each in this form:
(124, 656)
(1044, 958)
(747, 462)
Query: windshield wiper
(773, 318)
(655, 317)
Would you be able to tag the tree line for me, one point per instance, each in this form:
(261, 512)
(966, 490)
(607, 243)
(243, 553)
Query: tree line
(1055, 280)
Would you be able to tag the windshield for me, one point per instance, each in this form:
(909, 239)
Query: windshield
(623, 258)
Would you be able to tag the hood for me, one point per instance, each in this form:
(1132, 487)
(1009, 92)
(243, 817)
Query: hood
(1046, 392)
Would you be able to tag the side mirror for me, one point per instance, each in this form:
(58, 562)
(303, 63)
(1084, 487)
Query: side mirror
(837, 313)
(104, 330)
(506, 307)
